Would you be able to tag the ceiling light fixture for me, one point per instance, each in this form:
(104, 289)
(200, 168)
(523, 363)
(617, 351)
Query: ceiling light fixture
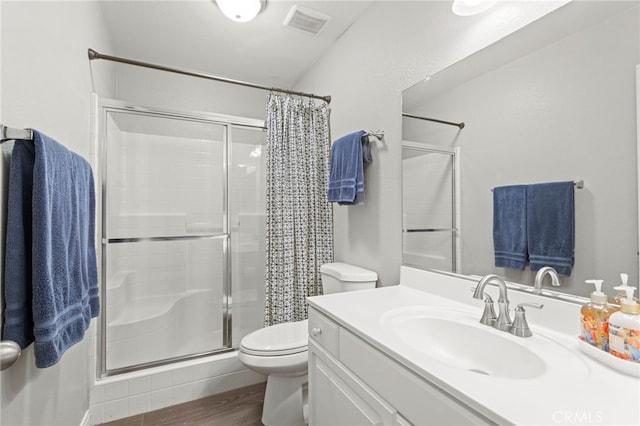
(241, 10)
(471, 7)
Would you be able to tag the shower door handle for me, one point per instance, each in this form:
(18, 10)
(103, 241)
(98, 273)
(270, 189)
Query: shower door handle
(9, 353)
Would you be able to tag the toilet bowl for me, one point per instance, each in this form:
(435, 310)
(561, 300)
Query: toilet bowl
(280, 351)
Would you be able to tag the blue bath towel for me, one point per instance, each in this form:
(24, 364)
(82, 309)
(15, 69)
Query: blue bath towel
(510, 226)
(62, 270)
(346, 177)
(18, 321)
(551, 226)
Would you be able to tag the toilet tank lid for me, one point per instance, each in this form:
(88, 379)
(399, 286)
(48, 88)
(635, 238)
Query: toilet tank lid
(347, 272)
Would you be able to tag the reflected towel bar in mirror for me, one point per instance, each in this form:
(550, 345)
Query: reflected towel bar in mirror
(577, 184)
(430, 230)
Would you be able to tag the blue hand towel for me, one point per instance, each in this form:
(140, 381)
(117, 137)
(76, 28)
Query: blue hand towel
(346, 176)
(551, 226)
(63, 271)
(510, 226)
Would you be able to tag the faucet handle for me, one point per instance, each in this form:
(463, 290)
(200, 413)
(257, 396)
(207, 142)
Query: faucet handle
(489, 316)
(520, 306)
(520, 327)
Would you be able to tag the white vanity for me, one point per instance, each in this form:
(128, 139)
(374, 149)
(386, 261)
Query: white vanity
(416, 354)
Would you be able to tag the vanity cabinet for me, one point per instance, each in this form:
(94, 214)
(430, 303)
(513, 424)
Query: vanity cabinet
(338, 398)
(353, 383)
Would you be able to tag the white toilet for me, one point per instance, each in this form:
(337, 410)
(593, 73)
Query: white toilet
(280, 351)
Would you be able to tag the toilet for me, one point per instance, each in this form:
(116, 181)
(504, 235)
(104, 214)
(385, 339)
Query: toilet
(280, 351)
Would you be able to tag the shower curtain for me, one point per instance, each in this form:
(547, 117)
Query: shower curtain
(299, 220)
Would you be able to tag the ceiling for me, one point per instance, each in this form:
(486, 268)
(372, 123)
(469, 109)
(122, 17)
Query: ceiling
(195, 35)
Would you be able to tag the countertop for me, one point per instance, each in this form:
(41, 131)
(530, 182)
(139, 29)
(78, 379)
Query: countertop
(575, 388)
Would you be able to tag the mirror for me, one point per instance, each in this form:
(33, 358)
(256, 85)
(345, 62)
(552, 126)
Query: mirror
(554, 101)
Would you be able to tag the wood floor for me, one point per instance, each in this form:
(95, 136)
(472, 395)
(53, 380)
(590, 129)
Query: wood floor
(242, 407)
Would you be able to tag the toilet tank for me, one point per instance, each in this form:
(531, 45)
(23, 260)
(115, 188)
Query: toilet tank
(338, 277)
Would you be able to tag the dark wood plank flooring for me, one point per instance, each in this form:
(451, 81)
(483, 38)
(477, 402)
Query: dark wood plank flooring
(242, 407)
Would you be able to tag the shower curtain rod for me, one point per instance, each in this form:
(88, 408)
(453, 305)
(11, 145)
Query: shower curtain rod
(450, 123)
(96, 55)
(9, 134)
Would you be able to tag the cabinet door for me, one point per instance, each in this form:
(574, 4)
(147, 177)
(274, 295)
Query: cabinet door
(335, 399)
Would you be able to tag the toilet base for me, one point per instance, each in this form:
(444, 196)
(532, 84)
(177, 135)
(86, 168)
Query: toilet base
(284, 400)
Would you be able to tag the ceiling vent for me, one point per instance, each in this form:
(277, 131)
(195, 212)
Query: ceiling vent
(306, 20)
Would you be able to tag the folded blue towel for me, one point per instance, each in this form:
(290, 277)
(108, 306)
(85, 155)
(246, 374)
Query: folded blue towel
(18, 321)
(346, 176)
(510, 226)
(551, 226)
(62, 273)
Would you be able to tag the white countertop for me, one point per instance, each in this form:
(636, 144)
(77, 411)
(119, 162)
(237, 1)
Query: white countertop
(575, 389)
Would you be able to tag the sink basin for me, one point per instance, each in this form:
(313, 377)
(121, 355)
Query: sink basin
(457, 340)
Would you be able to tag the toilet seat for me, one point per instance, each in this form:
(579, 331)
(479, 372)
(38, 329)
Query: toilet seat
(280, 339)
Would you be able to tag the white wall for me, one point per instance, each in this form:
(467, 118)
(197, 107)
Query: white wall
(159, 89)
(387, 51)
(46, 84)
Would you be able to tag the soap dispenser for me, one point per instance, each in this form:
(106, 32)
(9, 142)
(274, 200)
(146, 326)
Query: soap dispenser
(621, 291)
(625, 329)
(595, 318)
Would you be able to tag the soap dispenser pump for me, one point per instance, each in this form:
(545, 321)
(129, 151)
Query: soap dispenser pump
(625, 329)
(621, 291)
(595, 318)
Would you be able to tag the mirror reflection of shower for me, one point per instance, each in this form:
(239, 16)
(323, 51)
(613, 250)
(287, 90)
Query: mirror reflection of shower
(182, 233)
(430, 230)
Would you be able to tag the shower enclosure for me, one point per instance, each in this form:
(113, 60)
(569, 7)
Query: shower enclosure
(182, 232)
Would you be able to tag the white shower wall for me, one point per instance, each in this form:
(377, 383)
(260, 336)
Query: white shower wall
(162, 302)
(164, 185)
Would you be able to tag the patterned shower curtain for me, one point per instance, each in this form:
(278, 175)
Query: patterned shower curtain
(299, 234)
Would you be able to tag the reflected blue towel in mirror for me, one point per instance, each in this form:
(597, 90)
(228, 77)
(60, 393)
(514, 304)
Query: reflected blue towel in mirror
(551, 226)
(510, 226)
(51, 295)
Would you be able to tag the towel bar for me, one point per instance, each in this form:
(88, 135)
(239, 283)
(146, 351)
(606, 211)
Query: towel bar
(8, 134)
(578, 184)
(379, 134)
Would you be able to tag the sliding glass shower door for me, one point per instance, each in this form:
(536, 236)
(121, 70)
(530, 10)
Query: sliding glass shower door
(167, 234)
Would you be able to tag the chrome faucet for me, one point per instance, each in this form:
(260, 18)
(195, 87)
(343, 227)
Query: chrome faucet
(547, 270)
(503, 322)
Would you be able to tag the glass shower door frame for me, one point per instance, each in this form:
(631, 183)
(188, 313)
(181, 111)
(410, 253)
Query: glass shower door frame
(454, 157)
(107, 106)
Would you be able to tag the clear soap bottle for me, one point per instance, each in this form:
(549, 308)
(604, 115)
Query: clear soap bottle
(625, 329)
(595, 318)
(621, 292)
